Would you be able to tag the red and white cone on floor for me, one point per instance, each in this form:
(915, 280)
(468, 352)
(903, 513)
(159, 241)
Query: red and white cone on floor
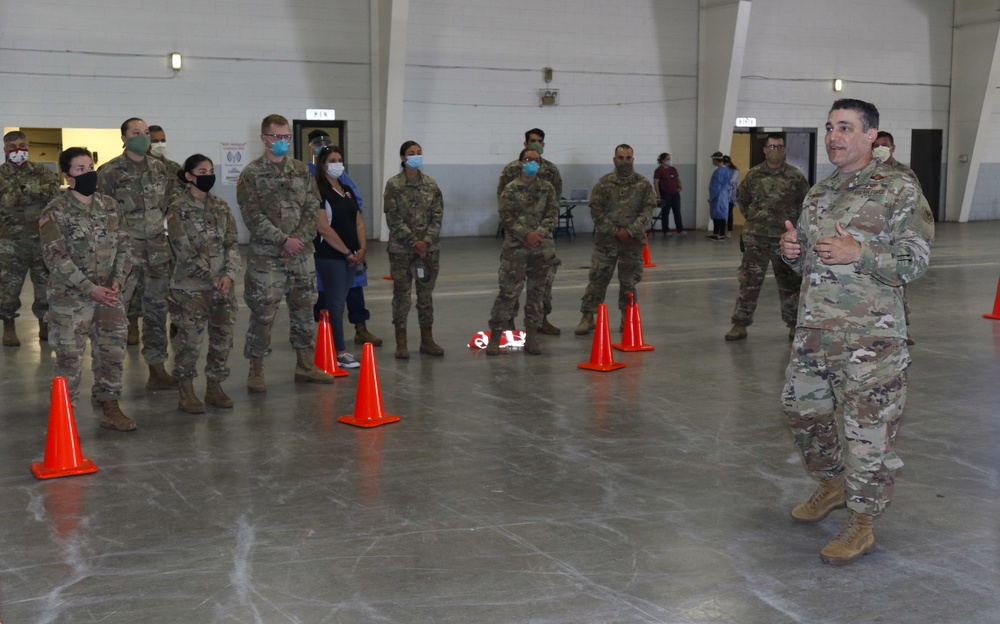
(368, 410)
(601, 357)
(63, 455)
(646, 260)
(996, 305)
(325, 357)
(632, 335)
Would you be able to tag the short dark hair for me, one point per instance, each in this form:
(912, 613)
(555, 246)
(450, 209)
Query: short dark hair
(624, 146)
(14, 135)
(191, 164)
(525, 151)
(67, 155)
(776, 136)
(865, 110)
(885, 135)
(538, 131)
(320, 173)
(155, 128)
(127, 122)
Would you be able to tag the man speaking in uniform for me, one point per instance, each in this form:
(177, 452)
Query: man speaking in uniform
(861, 236)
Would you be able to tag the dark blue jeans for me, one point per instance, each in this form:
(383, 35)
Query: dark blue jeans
(336, 277)
(671, 203)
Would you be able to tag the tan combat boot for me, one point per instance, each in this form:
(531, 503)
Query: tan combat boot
(855, 539)
(10, 334)
(188, 401)
(159, 378)
(215, 395)
(255, 380)
(586, 324)
(427, 344)
(548, 328)
(828, 496)
(305, 371)
(133, 332)
(114, 418)
(493, 346)
(402, 352)
(43, 330)
(738, 332)
(531, 341)
(362, 335)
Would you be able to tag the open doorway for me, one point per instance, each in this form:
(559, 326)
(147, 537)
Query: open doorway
(747, 151)
(925, 160)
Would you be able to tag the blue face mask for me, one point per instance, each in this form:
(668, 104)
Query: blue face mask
(280, 148)
(414, 162)
(531, 168)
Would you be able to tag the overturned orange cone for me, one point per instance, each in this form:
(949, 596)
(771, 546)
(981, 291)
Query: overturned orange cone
(646, 260)
(601, 357)
(325, 357)
(368, 410)
(632, 335)
(996, 306)
(63, 456)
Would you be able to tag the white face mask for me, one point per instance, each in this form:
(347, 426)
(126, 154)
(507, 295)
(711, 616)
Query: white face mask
(881, 153)
(335, 170)
(18, 157)
(158, 149)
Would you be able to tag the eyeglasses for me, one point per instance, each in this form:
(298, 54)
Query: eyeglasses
(774, 147)
(279, 137)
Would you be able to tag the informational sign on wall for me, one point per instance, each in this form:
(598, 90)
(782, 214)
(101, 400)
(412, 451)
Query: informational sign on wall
(230, 165)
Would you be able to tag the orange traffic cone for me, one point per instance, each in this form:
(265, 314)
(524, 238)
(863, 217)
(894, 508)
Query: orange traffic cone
(632, 336)
(368, 410)
(63, 456)
(601, 357)
(996, 305)
(646, 260)
(325, 357)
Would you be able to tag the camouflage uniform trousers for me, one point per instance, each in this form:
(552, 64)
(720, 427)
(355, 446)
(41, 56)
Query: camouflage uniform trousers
(268, 279)
(547, 295)
(71, 321)
(865, 376)
(19, 257)
(191, 312)
(606, 255)
(760, 251)
(401, 271)
(517, 265)
(151, 286)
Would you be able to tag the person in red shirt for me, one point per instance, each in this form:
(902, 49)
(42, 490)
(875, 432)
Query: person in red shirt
(667, 184)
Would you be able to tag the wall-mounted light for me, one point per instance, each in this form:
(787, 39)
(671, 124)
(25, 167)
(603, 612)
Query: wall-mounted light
(838, 84)
(176, 61)
(548, 97)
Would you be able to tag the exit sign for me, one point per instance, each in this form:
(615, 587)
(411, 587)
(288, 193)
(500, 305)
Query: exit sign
(321, 114)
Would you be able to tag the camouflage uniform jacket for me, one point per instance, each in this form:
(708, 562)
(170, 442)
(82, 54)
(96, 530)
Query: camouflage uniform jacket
(204, 239)
(278, 201)
(413, 211)
(880, 208)
(617, 202)
(769, 197)
(175, 187)
(527, 207)
(24, 191)
(84, 246)
(546, 171)
(141, 191)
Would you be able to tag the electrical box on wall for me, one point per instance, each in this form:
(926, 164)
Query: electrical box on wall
(548, 97)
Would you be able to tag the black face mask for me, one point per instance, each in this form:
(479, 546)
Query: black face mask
(85, 183)
(205, 182)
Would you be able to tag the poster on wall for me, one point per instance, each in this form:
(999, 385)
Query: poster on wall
(234, 158)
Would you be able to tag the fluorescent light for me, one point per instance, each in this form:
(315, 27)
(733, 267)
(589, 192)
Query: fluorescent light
(175, 60)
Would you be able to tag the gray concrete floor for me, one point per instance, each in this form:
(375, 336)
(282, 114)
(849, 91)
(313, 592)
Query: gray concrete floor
(516, 488)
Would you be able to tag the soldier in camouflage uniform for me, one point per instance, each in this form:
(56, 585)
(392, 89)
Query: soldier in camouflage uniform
(860, 237)
(280, 205)
(529, 211)
(140, 185)
(621, 204)
(85, 244)
(547, 171)
(770, 194)
(204, 239)
(158, 150)
(25, 188)
(413, 211)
